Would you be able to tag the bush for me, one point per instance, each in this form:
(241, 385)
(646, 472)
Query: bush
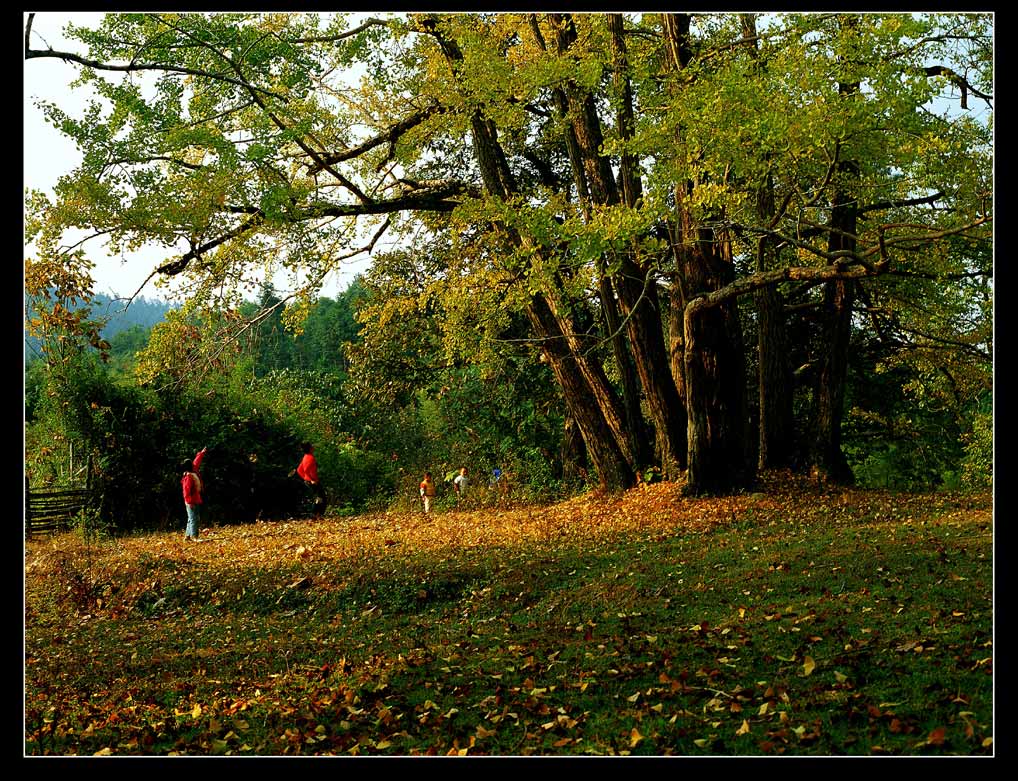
(977, 464)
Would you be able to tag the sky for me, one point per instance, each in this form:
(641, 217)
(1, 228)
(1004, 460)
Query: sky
(48, 155)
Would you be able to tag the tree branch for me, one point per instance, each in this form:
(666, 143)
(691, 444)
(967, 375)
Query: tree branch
(440, 196)
(763, 279)
(941, 343)
(31, 54)
(961, 81)
(174, 267)
(389, 136)
(929, 199)
(342, 36)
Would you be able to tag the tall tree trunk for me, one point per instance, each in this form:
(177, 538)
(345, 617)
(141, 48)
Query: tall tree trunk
(715, 388)
(613, 469)
(588, 396)
(776, 427)
(646, 337)
(827, 456)
(828, 459)
(636, 426)
(713, 352)
(629, 182)
(636, 291)
(599, 387)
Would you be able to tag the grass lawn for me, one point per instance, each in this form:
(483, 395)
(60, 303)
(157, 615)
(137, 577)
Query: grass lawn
(791, 621)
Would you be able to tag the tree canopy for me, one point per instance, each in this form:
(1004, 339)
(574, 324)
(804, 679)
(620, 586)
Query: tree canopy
(688, 223)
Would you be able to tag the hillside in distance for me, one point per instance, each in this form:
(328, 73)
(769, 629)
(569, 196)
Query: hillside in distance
(142, 312)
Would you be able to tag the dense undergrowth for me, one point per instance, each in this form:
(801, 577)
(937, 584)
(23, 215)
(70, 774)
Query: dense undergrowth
(792, 621)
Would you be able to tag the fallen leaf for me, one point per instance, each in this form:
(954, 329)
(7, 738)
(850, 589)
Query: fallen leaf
(743, 729)
(808, 666)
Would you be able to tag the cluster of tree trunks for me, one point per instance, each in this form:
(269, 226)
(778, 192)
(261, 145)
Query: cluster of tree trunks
(693, 387)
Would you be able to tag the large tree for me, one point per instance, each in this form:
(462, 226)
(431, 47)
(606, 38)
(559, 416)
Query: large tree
(623, 162)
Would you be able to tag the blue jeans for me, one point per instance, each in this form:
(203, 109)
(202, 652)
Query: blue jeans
(193, 513)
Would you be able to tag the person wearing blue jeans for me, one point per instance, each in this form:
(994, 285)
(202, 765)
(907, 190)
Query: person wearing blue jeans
(190, 482)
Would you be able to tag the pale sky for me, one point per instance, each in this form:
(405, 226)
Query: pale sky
(48, 155)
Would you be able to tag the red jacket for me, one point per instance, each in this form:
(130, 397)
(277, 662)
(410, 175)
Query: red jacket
(191, 484)
(308, 468)
(191, 481)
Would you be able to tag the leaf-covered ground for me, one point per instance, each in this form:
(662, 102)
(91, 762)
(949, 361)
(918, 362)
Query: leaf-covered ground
(791, 621)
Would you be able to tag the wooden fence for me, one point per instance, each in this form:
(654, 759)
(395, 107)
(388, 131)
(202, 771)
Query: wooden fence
(51, 509)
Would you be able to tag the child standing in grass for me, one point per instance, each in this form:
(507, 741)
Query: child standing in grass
(459, 483)
(427, 492)
(190, 482)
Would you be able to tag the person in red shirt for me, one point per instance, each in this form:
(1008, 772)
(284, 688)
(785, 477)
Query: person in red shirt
(308, 472)
(190, 483)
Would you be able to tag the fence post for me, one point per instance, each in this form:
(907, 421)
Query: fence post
(28, 510)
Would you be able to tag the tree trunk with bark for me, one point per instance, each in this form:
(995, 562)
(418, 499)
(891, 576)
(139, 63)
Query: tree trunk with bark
(573, 452)
(715, 393)
(599, 387)
(776, 426)
(589, 398)
(637, 293)
(776, 429)
(827, 457)
(713, 361)
(613, 469)
(636, 426)
(646, 337)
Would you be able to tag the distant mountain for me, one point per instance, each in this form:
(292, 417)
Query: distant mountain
(144, 312)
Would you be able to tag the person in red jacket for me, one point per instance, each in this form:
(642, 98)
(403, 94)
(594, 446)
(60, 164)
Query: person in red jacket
(191, 484)
(308, 472)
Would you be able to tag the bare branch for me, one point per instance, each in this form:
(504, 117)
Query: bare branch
(929, 199)
(171, 268)
(961, 81)
(388, 136)
(372, 22)
(940, 342)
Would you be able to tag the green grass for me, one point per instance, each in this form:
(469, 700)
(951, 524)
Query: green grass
(794, 622)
